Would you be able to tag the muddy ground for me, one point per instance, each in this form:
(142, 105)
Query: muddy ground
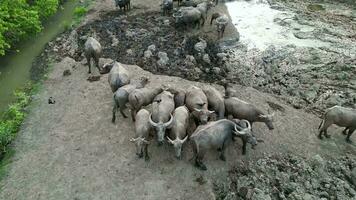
(71, 150)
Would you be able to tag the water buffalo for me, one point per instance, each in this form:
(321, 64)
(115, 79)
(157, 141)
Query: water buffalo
(121, 96)
(189, 16)
(92, 50)
(142, 129)
(215, 102)
(179, 96)
(118, 75)
(242, 110)
(341, 116)
(197, 103)
(142, 97)
(178, 133)
(217, 135)
(126, 4)
(167, 6)
(204, 8)
(221, 23)
(161, 117)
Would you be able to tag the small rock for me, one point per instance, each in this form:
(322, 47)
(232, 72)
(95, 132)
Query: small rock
(163, 59)
(130, 52)
(51, 100)
(200, 46)
(152, 48)
(67, 72)
(216, 70)
(93, 78)
(206, 58)
(166, 22)
(147, 54)
(114, 42)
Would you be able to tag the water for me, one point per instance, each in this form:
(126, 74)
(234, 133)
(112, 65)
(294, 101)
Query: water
(15, 67)
(255, 22)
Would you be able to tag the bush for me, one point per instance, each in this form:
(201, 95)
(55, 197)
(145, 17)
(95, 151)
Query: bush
(20, 19)
(13, 117)
(80, 11)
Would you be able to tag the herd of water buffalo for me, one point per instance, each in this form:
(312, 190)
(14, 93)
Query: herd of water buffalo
(209, 119)
(190, 13)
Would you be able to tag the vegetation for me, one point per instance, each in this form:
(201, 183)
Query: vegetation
(12, 118)
(20, 19)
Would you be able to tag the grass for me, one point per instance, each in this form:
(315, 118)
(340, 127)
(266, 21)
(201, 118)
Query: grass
(13, 117)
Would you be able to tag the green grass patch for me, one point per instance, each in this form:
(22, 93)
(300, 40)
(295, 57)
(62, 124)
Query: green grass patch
(13, 117)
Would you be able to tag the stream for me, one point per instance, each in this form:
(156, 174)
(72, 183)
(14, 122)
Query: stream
(15, 66)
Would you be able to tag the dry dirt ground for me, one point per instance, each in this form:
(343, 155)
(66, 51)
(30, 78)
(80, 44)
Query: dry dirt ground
(71, 150)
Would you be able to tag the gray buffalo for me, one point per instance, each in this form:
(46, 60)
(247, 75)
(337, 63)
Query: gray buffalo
(242, 110)
(142, 129)
(92, 50)
(217, 135)
(197, 103)
(341, 116)
(161, 117)
(178, 133)
(215, 102)
(121, 96)
(142, 97)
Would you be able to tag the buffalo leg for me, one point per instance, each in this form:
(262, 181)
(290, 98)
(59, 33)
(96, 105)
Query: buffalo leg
(114, 109)
(199, 160)
(89, 63)
(321, 134)
(349, 135)
(222, 152)
(147, 157)
(345, 131)
(244, 144)
(133, 114)
(96, 60)
(122, 108)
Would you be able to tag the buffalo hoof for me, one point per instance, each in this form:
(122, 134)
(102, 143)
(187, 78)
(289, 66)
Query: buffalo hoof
(113, 120)
(222, 157)
(327, 136)
(348, 141)
(320, 137)
(147, 158)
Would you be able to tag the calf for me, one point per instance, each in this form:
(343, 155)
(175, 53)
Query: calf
(243, 110)
(217, 135)
(161, 117)
(142, 129)
(142, 97)
(341, 116)
(121, 96)
(178, 131)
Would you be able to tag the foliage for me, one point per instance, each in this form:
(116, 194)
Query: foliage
(80, 11)
(12, 118)
(20, 19)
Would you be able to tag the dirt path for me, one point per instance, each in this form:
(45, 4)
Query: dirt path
(71, 150)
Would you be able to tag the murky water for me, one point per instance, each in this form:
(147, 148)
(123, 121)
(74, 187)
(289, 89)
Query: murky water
(255, 21)
(15, 66)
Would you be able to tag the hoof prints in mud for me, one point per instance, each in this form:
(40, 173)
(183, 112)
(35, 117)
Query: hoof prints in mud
(126, 38)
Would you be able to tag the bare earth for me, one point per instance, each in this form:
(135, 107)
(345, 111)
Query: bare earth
(71, 150)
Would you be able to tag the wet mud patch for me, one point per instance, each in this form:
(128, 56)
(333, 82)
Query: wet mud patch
(152, 41)
(290, 177)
